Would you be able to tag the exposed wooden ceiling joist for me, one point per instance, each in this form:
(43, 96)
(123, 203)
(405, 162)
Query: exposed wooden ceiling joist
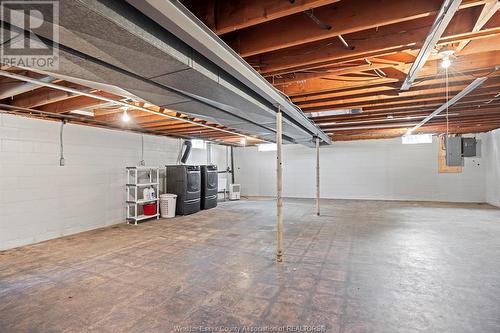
(371, 43)
(344, 18)
(227, 16)
(304, 58)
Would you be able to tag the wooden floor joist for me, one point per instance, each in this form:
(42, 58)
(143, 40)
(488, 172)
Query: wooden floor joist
(296, 46)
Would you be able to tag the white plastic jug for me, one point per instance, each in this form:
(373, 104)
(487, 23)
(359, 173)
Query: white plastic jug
(146, 194)
(152, 194)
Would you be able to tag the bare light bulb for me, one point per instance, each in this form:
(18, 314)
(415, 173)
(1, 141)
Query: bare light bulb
(446, 62)
(125, 116)
(243, 141)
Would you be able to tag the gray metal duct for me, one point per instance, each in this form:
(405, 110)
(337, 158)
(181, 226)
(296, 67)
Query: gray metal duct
(174, 17)
(111, 43)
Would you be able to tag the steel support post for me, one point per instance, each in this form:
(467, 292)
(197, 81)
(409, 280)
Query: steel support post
(317, 177)
(279, 189)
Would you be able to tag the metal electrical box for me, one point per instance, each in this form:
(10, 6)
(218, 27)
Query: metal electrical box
(469, 147)
(454, 151)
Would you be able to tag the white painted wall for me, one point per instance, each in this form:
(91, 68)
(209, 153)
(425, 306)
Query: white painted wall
(492, 156)
(372, 169)
(40, 200)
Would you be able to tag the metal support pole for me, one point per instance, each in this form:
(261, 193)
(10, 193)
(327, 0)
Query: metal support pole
(279, 191)
(228, 182)
(317, 176)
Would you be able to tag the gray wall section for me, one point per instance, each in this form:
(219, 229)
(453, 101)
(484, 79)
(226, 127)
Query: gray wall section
(492, 156)
(40, 200)
(373, 169)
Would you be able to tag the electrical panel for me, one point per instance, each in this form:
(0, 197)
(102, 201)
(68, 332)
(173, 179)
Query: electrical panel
(454, 151)
(469, 147)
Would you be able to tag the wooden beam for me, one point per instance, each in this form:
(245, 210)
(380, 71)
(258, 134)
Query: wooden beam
(400, 132)
(489, 9)
(388, 92)
(470, 100)
(352, 68)
(387, 102)
(425, 91)
(74, 103)
(453, 119)
(370, 43)
(428, 128)
(344, 18)
(235, 15)
(465, 64)
(391, 116)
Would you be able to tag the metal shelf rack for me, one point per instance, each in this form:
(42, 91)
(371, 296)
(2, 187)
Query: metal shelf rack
(139, 177)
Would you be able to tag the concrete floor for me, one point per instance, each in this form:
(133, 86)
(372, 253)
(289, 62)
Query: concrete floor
(364, 266)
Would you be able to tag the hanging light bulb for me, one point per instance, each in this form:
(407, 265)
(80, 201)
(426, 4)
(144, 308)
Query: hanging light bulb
(446, 62)
(243, 141)
(125, 116)
(445, 54)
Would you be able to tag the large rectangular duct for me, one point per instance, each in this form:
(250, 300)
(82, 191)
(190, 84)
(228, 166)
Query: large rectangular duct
(109, 43)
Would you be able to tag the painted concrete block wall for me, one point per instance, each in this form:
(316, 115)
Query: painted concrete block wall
(374, 169)
(40, 200)
(492, 156)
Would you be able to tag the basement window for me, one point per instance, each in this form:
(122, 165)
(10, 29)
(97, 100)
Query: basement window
(416, 139)
(267, 147)
(198, 144)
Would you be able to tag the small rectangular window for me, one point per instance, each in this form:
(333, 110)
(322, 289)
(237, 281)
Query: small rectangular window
(416, 138)
(267, 147)
(198, 144)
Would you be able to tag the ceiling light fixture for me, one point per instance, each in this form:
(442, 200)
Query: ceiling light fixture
(243, 141)
(446, 62)
(125, 116)
(334, 112)
(445, 55)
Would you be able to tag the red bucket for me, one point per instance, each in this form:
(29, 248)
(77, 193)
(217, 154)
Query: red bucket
(149, 209)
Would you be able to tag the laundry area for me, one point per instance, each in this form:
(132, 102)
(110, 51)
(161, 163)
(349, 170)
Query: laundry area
(250, 166)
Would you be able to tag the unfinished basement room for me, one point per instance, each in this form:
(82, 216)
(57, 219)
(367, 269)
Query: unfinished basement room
(250, 166)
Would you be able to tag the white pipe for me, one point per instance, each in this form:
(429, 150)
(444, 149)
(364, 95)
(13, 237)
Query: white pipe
(106, 99)
(62, 162)
(142, 162)
(343, 41)
(279, 189)
(369, 127)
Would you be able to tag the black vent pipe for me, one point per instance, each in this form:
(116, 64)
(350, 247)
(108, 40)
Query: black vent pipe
(187, 151)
